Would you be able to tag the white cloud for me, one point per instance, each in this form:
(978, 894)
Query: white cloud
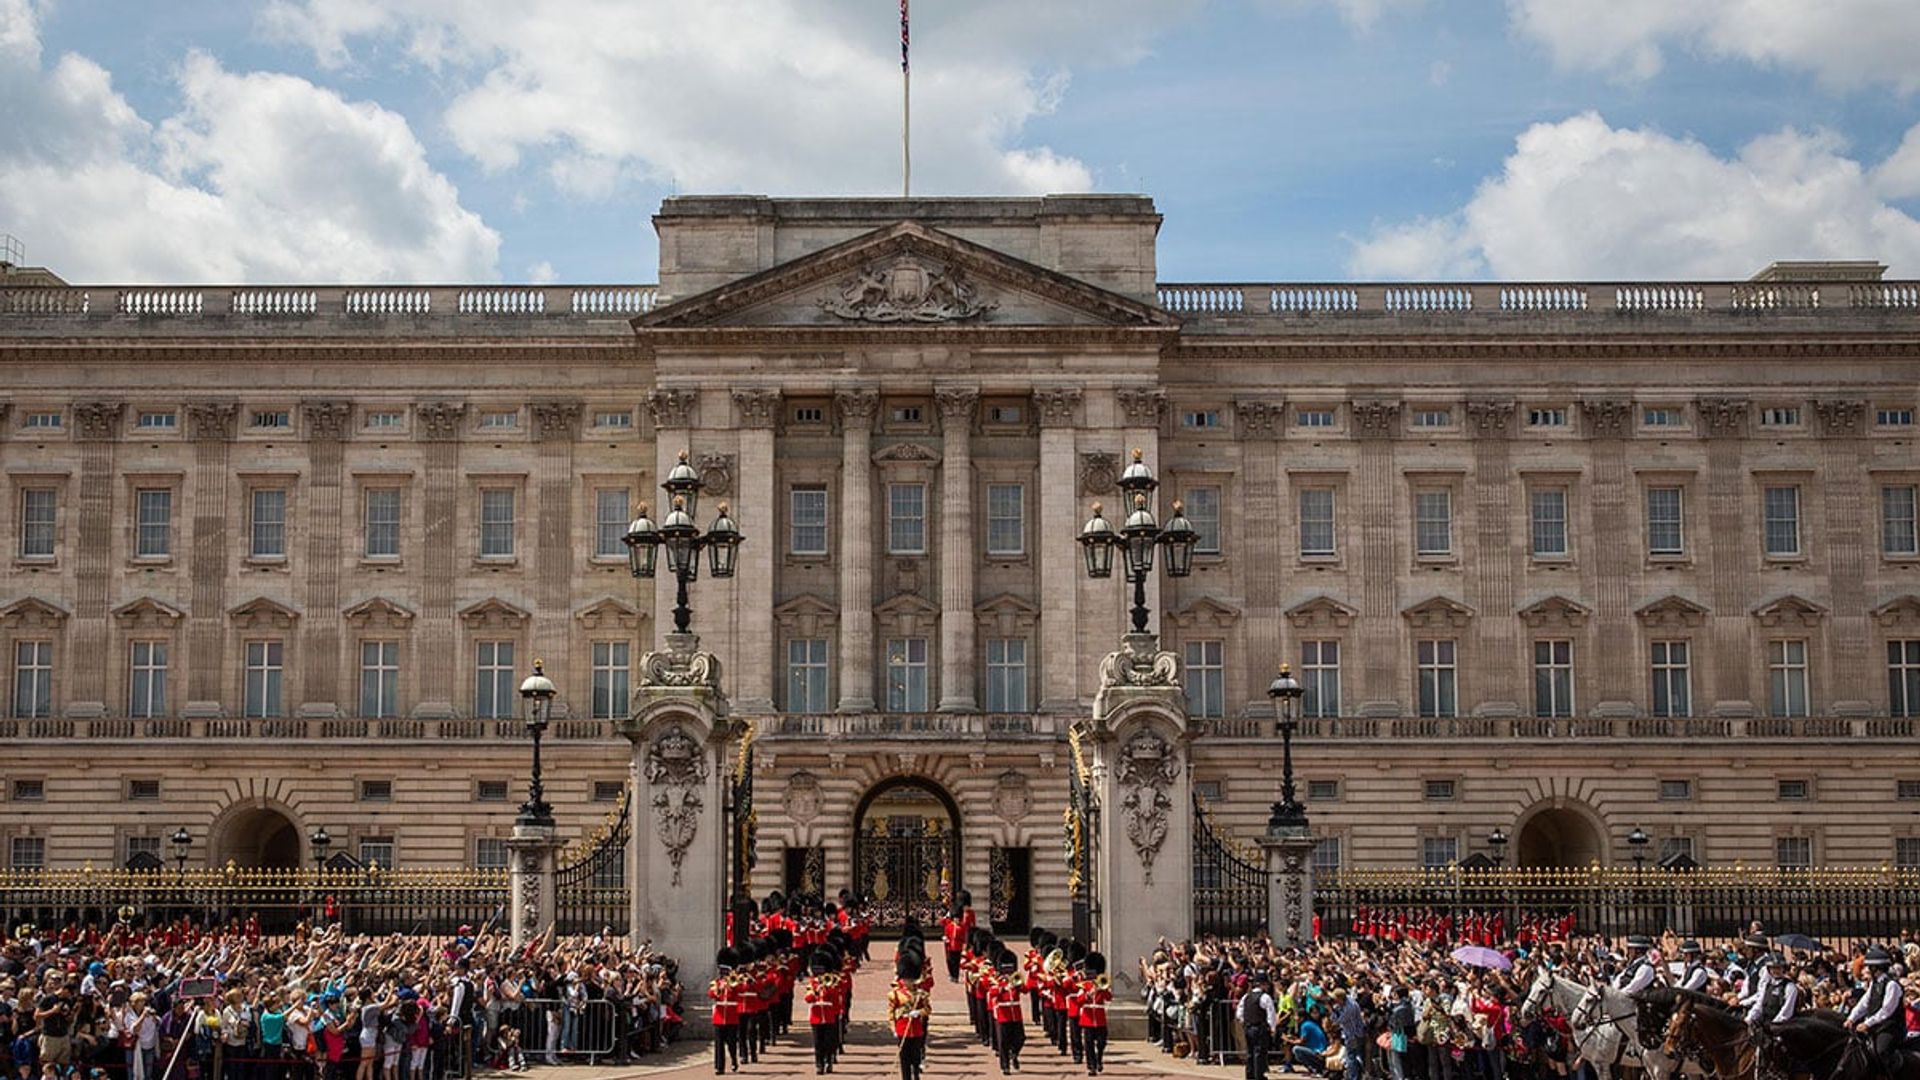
(752, 95)
(1361, 15)
(257, 177)
(541, 273)
(1845, 44)
(1582, 199)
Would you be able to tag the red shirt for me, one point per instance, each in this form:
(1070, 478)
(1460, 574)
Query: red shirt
(726, 1005)
(1093, 1007)
(1006, 1005)
(823, 1006)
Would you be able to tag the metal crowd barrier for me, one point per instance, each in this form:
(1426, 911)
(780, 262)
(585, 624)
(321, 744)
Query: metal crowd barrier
(552, 1030)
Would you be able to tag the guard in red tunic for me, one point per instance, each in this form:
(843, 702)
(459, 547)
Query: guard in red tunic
(726, 1013)
(1010, 1029)
(955, 931)
(907, 1006)
(1093, 1013)
(1076, 987)
(823, 1008)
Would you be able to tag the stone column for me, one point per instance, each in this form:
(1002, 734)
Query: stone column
(676, 869)
(1143, 854)
(1260, 424)
(1060, 573)
(1730, 552)
(211, 427)
(1608, 424)
(1289, 886)
(957, 545)
(96, 427)
(437, 634)
(1491, 577)
(319, 668)
(855, 409)
(755, 643)
(1850, 508)
(556, 429)
(535, 853)
(1382, 659)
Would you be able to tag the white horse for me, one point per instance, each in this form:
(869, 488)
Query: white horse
(1604, 1024)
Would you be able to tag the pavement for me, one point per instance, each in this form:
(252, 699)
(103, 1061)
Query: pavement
(872, 1051)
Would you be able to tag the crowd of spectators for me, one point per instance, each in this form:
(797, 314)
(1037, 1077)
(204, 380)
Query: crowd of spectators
(185, 1001)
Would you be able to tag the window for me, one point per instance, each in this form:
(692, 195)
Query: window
(1203, 510)
(1661, 417)
(1432, 418)
(386, 419)
(153, 521)
(263, 677)
(1439, 682)
(1433, 522)
(1906, 852)
(157, 421)
(807, 675)
(29, 790)
(146, 849)
(613, 419)
(1438, 791)
(39, 510)
(1675, 847)
(489, 853)
(143, 790)
(1664, 532)
(907, 519)
(1313, 418)
(42, 419)
(376, 791)
(28, 853)
(1903, 678)
(147, 680)
(1316, 522)
(1907, 789)
(1782, 506)
(1326, 855)
(608, 790)
(808, 520)
(1005, 414)
(1549, 519)
(1893, 417)
(1672, 679)
(1211, 790)
(1553, 678)
(32, 679)
(1787, 678)
(268, 522)
(612, 677)
(379, 679)
(272, 418)
(1206, 678)
(907, 675)
(1897, 536)
(1323, 790)
(1546, 418)
(809, 415)
(1676, 790)
(1436, 851)
(1006, 519)
(499, 421)
(490, 791)
(1793, 790)
(494, 695)
(1320, 677)
(1793, 851)
(1780, 416)
(904, 414)
(1007, 675)
(1200, 418)
(496, 523)
(377, 851)
(610, 509)
(383, 523)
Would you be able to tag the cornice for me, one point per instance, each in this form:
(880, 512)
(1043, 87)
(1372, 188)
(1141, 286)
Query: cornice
(787, 338)
(1390, 351)
(173, 351)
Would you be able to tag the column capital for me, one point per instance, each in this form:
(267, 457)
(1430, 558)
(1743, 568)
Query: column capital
(957, 406)
(1056, 405)
(672, 408)
(1840, 417)
(1607, 418)
(759, 409)
(1261, 419)
(1491, 419)
(1144, 407)
(855, 409)
(97, 421)
(439, 420)
(556, 421)
(326, 421)
(1723, 417)
(212, 421)
(1375, 419)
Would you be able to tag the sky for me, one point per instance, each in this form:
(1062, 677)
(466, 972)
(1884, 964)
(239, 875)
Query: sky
(1284, 140)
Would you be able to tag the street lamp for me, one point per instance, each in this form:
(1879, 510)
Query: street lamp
(1139, 534)
(537, 691)
(1289, 818)
(1497, 845)
(182, 840)
(680, 535)
(321, 841)
(1638, 841)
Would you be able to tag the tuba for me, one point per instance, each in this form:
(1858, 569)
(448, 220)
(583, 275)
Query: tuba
(1102, 983)
(1056, 964)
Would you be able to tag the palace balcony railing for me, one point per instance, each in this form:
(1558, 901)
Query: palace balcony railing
(1296, 301)
(1570, 728)
(289, 306)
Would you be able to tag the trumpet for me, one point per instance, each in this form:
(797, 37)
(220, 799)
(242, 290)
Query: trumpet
(1102, 982)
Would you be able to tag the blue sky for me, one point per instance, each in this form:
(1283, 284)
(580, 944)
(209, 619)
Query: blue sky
(1283, 139)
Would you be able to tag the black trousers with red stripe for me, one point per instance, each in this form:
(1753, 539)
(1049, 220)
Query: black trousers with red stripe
(1012, 1037)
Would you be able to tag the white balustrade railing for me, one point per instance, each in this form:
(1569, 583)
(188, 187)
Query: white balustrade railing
(274, 302)
(502, 302)
(161, 301)
(389, 302)
(1536, 298)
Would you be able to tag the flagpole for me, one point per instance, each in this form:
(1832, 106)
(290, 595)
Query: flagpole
(906, 111)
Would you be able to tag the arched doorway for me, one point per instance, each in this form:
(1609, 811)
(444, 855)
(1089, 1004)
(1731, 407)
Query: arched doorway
(1559, 836)
(255, 836)
(906, 851)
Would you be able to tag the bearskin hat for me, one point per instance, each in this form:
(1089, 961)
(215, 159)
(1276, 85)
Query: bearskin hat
(726, 960)
(908, 965)
(964, 898)
(1074, 950)
(1034, 935)
(1095, 963)
(822, 961)
(1006, 963)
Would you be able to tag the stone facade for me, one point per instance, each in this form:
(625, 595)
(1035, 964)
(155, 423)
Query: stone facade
(364, 511)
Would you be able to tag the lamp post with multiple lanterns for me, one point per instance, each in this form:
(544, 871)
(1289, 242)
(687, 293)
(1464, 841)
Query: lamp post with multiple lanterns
(680, 535)
(1138, 536)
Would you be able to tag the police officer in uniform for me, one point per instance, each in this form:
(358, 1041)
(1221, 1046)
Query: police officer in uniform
(1779, 997)
(1880, 1013)
(1693, 973)
(1639, 972)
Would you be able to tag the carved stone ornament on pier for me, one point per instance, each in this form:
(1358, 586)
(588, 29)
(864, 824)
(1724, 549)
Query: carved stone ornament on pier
(676, 767)
(681, 663)
(1139, 661)
(716, 473)
(1098, 472)
(907, 289)
(439, 421)
(1148, 769)
(326, 420)
(672, 408)
(1607, 418)
(529, 878)
(1293, 871)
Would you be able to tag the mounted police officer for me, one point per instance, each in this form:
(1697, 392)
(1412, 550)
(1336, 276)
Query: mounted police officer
(1694, 972)
(1639, 972)
(1880, 1012)
(1778, 997)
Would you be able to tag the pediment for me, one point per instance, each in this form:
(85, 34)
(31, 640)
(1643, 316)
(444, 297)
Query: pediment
(378, 611)
(1006, 615)
(907, 615)
(493, 613)
(608, 612)
(1901, 611)
(148, 613)
(32, 613)
(1438, 612)
(906, 275)
(807, 616)
(907, 604)
(1321, 613)
(1671, 611)
(262, 613)
(1790, 610)
(1205, 613)
(1555, 610)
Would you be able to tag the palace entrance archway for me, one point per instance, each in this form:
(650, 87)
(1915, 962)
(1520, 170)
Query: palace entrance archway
(906, 851)
(255, 836)
(1559, 836)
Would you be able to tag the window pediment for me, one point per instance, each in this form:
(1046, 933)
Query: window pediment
(906, 453)
(908, 615)
(1901, 612)
(1671, 612)
(32, 613)
(148, 613)
(1790, 611)
(1555, 611)
(607, 613)
(807, 616)
(1006, 615)
(1438, 613)
(1205, 613)
(378, 612)
(261, 613)
(493, 613)
(1321, 613)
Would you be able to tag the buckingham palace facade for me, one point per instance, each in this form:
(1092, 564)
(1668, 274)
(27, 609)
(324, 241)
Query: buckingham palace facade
(1563, 559)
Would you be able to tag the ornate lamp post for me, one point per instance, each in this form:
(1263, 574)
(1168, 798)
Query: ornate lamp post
(1638, 841)
(321, 841)
(681, 537)
(182, 840)
(537, 691)
(1289, 817)
(1137, 537)
(1497, 846)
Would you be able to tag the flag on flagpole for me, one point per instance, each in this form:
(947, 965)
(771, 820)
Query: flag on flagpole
(903, 37)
